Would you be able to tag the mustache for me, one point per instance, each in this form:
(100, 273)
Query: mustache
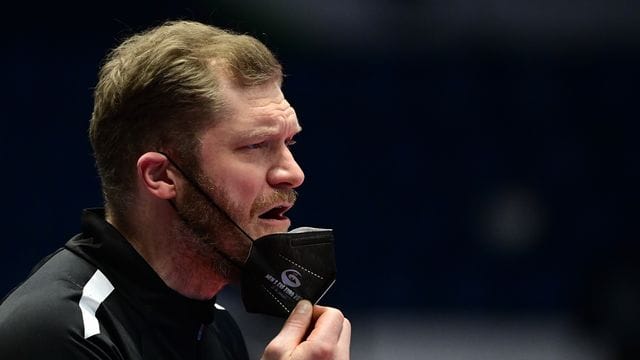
(276, 197)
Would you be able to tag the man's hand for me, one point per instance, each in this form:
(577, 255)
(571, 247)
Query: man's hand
(311, 332)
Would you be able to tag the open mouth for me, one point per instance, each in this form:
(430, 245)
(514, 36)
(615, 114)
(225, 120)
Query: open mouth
(276, 213)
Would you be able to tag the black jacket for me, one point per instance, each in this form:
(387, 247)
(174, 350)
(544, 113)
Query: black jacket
(97, 298)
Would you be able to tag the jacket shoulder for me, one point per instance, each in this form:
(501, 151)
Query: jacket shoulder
(41, 318)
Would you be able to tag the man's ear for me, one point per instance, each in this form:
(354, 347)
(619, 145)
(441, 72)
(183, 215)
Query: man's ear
(156, 176)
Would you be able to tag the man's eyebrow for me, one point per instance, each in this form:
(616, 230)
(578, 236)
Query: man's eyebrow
(265, 131)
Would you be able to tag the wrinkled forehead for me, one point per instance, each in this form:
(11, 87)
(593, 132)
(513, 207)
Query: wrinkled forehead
(263, 103)
(254, 111)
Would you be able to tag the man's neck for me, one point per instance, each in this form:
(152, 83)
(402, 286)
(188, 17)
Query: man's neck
(155, 237)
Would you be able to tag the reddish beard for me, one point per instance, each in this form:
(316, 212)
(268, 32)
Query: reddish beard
(211, 234)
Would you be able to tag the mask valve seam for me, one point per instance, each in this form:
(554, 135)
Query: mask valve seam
(301, 267)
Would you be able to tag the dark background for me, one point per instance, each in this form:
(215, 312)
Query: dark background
(472, 157)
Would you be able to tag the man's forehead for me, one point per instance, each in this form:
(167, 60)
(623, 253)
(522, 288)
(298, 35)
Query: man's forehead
(258, 122)
(252, 110)
(266, 125)
(266, 109)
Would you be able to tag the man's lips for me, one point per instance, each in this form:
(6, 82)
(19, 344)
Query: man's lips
(276, 212)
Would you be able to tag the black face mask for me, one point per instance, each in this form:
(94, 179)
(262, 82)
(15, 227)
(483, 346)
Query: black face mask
(282, 268)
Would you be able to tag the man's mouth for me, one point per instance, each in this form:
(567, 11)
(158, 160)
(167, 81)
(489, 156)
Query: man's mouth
(275, 213)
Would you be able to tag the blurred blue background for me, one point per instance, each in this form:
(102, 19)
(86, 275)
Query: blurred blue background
(478, 160)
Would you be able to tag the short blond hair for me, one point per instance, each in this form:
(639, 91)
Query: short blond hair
(158, 89)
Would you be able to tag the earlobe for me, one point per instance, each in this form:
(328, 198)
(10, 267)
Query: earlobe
(155, 176)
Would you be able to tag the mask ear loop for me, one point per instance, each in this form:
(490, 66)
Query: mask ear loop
(193, 183)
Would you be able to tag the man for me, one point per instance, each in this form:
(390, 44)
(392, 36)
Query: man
(191, 135)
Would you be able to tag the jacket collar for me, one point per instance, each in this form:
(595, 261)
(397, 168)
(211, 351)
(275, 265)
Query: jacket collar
(103, 245)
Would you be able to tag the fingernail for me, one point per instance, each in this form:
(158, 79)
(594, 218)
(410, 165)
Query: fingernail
(303, 307)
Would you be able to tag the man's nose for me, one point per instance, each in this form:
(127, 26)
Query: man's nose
(286, 173)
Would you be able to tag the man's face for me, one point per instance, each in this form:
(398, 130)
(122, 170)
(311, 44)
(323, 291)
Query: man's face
(247, 168)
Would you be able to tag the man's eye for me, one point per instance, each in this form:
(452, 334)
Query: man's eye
(256, 145)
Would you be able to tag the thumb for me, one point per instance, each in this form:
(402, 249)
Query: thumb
(295, 328)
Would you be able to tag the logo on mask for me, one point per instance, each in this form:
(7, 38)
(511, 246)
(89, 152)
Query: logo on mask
(290, 278)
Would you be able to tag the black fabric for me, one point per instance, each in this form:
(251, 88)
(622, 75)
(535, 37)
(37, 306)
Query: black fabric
(141, 318)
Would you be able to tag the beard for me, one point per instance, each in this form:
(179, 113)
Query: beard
(210, 234)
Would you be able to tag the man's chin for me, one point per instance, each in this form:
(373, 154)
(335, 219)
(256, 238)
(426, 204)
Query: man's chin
(272, 226)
